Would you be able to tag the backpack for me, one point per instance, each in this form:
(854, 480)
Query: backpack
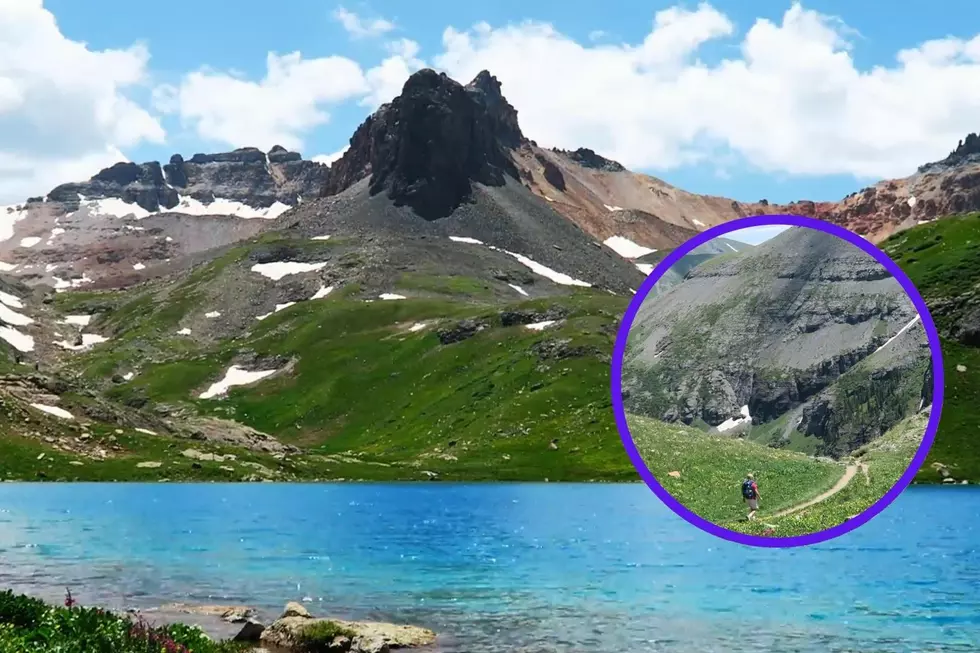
(748, 491)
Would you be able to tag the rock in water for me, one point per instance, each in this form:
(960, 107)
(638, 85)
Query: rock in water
(286, 634)
(294, 609)
(251, 631)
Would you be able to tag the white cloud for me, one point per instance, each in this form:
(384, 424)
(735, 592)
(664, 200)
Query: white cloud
(328, 159)
(290, 100)
(387, 78)
(63, 109)
(360, 28)
(791, 101)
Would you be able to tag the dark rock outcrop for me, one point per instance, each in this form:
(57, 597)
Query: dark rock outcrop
(461, 331)
(426, 147)
(142, 184)
(589, 159)
(967, 151)
(245, 175)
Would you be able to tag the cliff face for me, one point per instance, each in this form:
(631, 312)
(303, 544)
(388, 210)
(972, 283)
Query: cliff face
(781, 329)
(428, 146)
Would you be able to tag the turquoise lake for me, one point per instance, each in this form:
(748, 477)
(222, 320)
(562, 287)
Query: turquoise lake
(533, 568)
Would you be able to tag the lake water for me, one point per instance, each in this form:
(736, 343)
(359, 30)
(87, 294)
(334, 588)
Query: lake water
(530, 568)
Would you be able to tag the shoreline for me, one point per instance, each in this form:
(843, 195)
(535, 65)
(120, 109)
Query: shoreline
(227, 622)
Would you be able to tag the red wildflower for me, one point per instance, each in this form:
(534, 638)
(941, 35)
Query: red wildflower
(69, 601)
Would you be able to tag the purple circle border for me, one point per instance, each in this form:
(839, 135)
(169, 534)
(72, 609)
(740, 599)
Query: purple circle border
(937, 368)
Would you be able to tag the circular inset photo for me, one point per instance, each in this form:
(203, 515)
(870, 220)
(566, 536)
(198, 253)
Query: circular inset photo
(777, 380)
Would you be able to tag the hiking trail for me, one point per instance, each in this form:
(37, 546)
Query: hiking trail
(838, 486)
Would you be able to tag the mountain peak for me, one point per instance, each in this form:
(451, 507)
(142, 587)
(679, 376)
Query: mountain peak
(967, 151)
(427, 146)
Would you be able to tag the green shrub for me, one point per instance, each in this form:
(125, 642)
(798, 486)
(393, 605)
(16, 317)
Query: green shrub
(28, 625)
(318, 636)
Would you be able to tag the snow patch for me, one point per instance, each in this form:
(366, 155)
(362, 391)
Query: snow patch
(16, 339)
(88, 340)
(12, 317)
(220, 206)
(51, 267)
(326, 237)
(9, 217)
(900, 332)
(613, 208)
(111, 207)
(698, 222)
(184, 332)
(518, 289)
(626, 247)
(322, 292)
(61, 285)
(732, 422)
(280, 269)
(540, 326)
(548, 198)
(390, 296)
(139, 266)
(465, 239)
(128, 376)
(544, 271)
(30, 241)
(212, 314)
(418, 326)
(12, 301)
(279, 307)
(645, 268)
(911, 201)
(53, 410)
(234, 376)
(6, 267)
(144, 431)
(80, 320)
(57, 231)
(169, 239)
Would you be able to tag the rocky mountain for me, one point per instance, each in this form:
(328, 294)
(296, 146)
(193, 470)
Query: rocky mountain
(445, 276)
(805, 341)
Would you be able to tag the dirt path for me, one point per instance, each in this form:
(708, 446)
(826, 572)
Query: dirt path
(838, 486)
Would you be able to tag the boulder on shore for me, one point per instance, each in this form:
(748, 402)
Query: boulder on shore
(286, 634)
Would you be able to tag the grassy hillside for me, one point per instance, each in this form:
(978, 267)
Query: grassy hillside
(886, 459)
(366, 389)
(710, 470)
(943, 260)
(366, 397)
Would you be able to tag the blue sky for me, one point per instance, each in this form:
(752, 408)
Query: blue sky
(184, 36)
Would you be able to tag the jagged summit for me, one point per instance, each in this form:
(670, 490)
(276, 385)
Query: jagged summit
(247, 175)
(427, 146)
(967, 151)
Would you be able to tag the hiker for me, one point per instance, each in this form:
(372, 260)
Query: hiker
(750, 494)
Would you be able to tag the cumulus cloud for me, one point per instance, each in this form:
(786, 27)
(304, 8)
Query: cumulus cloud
(792, 101)
(42, 74)
(292, 99)
(387, 78)
(328, 159)
(289, 101)
(360, 28)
